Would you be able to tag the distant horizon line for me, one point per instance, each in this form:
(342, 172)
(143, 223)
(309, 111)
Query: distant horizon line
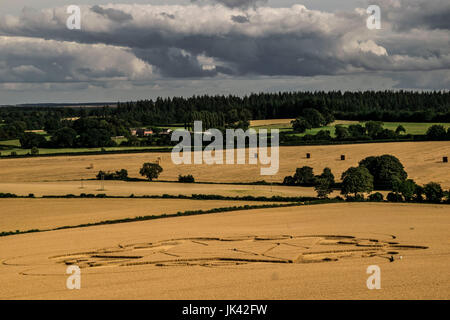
(110, 103)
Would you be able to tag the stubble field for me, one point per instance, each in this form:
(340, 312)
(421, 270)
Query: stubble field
(27, 214)
(422, 161)
(309, 252)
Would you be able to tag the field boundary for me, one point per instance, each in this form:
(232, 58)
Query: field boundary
(193, 196)
(168, 149)
(165, 215)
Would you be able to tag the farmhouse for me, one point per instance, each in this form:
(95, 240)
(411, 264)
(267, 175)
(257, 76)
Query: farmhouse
(141, 132)
(165, 131)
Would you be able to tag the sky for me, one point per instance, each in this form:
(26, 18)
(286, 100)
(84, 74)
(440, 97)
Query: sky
(135, 49)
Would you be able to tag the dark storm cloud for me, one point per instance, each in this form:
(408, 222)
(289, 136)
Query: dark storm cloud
(173, 62)
(233, 40)
(412, 14)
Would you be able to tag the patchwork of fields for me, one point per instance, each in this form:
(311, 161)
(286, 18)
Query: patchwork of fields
(422, 161)
(415, 128)
(299, 252)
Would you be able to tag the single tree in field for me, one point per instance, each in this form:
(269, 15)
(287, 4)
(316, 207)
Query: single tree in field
(151, 170)
(323, 187)
(34, 151)
(356, 180)
(400, 129)
(433, 192)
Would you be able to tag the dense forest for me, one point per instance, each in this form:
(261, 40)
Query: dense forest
(93, 126)
(370, 105)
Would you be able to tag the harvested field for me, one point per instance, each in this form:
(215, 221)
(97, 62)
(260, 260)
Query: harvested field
(26, 214)
(271, 123)
(125, 189)
(422, 161)
(310, 252)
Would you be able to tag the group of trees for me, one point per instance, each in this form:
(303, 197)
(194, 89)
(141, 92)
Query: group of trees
(369, 105)
(304, 176)
(84, 132)
(12, 130)
(152, 140)
(235, 118)
(96, 125)
(189, 178)
(371, 130)
(118, 175)
(387, 173)
(384, 172)
(149, 170)
(437, 132)
(312, 118)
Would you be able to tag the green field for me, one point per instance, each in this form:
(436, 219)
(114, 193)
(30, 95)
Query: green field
(20, 151)
(410, 127)
(12, 143)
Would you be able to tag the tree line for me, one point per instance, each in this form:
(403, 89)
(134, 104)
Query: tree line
(94, 126)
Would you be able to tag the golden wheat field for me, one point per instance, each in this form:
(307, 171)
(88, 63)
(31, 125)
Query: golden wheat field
(306, 252)
(26, 214)
(270, 122)
(121, 188)
(302, 252)
(422, 161)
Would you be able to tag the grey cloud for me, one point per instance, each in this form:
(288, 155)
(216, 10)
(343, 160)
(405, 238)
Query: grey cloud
(295, 42)
(38, 60)
(412, 14)
(170, 16)
(235, 3)
(173, 62)
(212, 41)
(112, 14)
(240, 19)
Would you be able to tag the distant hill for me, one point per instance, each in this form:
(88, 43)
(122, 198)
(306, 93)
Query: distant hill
(62, 105)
